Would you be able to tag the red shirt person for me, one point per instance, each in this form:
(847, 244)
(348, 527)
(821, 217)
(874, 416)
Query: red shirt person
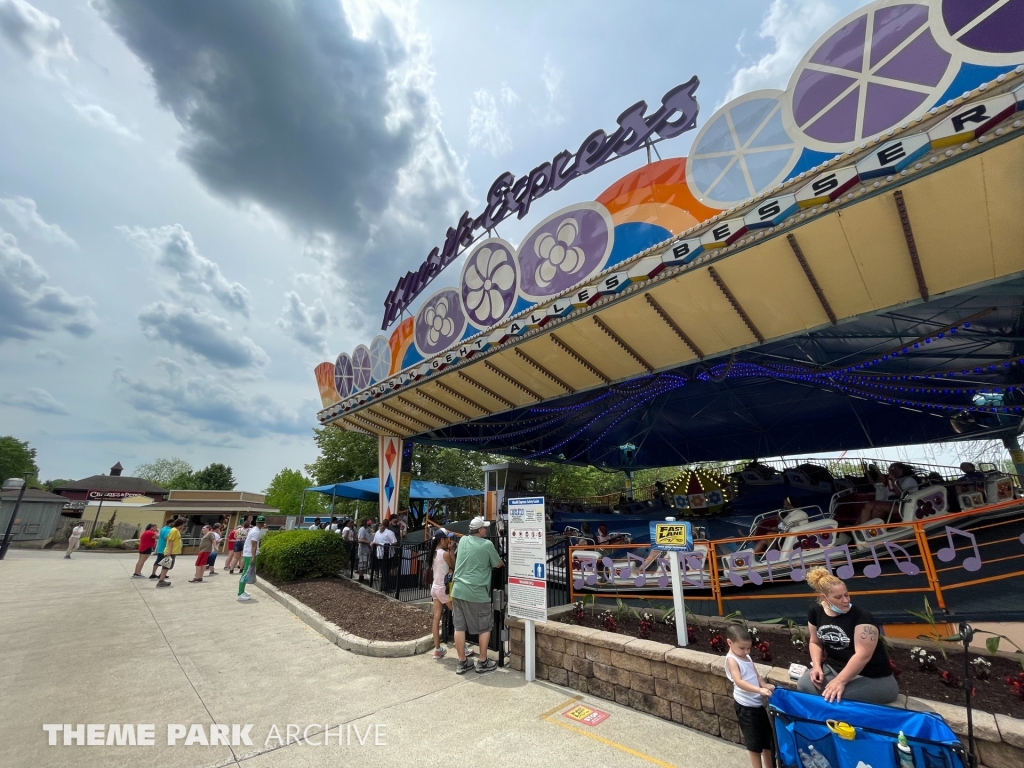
(147, 543)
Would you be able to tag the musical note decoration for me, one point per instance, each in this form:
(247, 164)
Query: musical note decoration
(843, 571)
(694, 561)
(586, 579)
(948, 554)
(745, 560)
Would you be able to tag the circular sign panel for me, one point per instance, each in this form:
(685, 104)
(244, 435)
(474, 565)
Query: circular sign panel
(566, 248)
(488, 283)
(743, 150)
(440, 322)
(988, 32)
(380, 358)
(872, 70)
(361, 367)
(343, 375)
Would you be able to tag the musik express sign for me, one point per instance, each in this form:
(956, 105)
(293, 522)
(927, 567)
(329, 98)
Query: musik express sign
(507, 195)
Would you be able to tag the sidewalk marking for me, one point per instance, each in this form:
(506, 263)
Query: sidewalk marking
(609, 743)
(563, 705)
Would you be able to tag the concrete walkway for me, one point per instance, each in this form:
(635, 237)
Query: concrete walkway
(81, 642)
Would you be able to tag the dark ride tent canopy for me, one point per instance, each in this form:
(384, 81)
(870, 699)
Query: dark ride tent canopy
(367, 490)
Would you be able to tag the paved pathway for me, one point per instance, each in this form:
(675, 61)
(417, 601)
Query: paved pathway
(81, 642)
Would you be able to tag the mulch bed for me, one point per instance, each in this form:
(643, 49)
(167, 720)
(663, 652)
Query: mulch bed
(359, 611)
(992, 695)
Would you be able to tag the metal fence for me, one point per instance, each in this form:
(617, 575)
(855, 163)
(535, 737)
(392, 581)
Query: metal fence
(403, 571)
(955, 562)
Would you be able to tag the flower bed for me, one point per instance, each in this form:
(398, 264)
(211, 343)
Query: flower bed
(939, 679)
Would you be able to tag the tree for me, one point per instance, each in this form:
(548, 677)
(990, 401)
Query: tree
(344, 456)
(49, 485)
(216, 477)
(285, 493)
(163, 471)
(16, 458)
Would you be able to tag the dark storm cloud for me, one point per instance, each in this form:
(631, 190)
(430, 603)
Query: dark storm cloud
(283, 105)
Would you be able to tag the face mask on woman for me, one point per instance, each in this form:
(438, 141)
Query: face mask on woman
(839, 610)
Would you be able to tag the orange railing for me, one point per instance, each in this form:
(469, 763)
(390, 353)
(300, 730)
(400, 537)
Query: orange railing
(944, 554)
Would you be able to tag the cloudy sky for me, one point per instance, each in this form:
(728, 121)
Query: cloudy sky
(200, 201)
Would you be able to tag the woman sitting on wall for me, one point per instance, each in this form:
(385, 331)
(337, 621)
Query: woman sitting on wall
(848, 659)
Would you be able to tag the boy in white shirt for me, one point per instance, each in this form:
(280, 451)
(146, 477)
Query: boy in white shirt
(748, 688)
(250, 549)
(74, 539)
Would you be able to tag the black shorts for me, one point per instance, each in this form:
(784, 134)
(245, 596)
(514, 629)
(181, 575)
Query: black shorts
(238, 545)
(755, 727)
(146, 551)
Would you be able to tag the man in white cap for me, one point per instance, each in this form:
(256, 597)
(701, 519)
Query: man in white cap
(471, 594)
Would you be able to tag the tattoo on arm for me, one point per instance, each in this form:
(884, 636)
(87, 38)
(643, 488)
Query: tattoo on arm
(869, 633)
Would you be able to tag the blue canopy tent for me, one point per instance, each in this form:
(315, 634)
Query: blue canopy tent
(369, 490)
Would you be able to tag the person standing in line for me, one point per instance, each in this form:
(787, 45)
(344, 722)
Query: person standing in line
(171, 550)
(250, 549)
(316, 524)
(365, 538)
(74, 539)
(203, 557)
(471, 594)
(442, 561)
(161, 545)
(384, 540)
(210, 569)
(349, 537)
(235, 559)
(147, 543)
(747, 691)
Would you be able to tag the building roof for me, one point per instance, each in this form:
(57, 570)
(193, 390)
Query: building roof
(199, 505)
(31, 494)
(112, 483)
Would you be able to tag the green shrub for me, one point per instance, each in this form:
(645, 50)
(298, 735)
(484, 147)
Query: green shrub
(291, 555)
(100, 543)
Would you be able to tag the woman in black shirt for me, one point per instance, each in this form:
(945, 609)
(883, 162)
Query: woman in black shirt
(847, 658)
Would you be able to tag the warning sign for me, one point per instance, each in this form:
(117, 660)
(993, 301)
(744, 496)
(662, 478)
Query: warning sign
(672, 536)
(586, 715)
(527, 564)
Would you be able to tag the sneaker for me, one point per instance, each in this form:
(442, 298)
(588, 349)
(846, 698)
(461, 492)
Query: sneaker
(244, 597)
(163, 584)
(440, 652)
(470, 654)
(483, 667)
(195, 581)
(67, 557)
(138, 576)
(464, 667)
(153, 576)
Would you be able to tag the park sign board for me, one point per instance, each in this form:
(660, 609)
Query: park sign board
(507, 195)
(670, 536)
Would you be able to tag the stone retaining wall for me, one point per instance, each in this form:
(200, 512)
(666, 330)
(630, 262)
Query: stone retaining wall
(690, 687)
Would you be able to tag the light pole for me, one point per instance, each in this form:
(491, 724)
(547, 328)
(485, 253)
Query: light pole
(9, 485)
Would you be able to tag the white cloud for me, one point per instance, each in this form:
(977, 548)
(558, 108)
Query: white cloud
(305, 323)
(97, 116)
(34, 34)
(174, 250)
(30, 305)
(38, 400)
(486, 125)
(23, 211)
(202, 334)
(792, 25)
(51, 356)
(180, 408)
(551, 75)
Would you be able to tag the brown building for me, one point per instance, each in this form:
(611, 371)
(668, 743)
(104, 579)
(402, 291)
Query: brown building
(208, 507)
(110, 487)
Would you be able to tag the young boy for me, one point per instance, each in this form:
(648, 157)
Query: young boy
(748, 688)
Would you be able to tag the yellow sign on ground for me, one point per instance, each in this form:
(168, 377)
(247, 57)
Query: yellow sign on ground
(586, 715)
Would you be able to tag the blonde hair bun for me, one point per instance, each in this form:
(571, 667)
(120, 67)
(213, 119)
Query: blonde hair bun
(822, 581)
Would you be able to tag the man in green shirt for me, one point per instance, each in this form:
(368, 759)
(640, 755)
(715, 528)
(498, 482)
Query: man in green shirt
(471, 594)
